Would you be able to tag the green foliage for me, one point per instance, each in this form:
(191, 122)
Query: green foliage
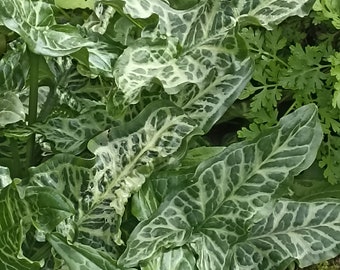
(106, 110)
(75, 4)
(227, 195)
(330, 9)
(293, 69)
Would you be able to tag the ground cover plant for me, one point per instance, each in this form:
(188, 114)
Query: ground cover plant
(111, 150)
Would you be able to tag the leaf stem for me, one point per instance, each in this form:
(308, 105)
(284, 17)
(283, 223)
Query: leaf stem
(34, 85)
(33, 103)
(275, 57)
(49, 104)
(42, 252)
(17, 170)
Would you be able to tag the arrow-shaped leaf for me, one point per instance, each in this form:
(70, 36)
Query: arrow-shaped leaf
(233, 190)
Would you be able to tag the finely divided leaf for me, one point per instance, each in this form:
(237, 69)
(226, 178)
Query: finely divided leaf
(233, 190)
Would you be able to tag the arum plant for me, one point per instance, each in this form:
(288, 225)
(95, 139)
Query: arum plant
(108, 114)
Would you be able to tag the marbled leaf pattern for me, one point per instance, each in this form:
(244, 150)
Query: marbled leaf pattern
(230, 192)
(124, 157)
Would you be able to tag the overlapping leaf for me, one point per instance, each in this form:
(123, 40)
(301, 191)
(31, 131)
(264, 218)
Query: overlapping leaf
(14, 69)
(35, 23)
(48, 207)
(232, 191)
(194, 54)
(70, 135)
(198, 45)
(160, 184)
(124, 157)
(199, 57)
(5, 178)
(13, 226)
(195, 31)
(11, 109)
(79, 256)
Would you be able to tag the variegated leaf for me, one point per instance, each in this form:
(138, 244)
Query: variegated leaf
(189, 51)
(14, 215)
(156, 188)
(200, 59)
(48, 207)
(71, 176)
(230, 192)
(34, 22)
(124, 157)
(269, 13)
(11, 109)
(301, 231)
(5, 177)
(79, 257)
(14, 67)
(208, 20)
(207, 104)
(162, 183)
(176, 23)
(181, 258)
(70, 135)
